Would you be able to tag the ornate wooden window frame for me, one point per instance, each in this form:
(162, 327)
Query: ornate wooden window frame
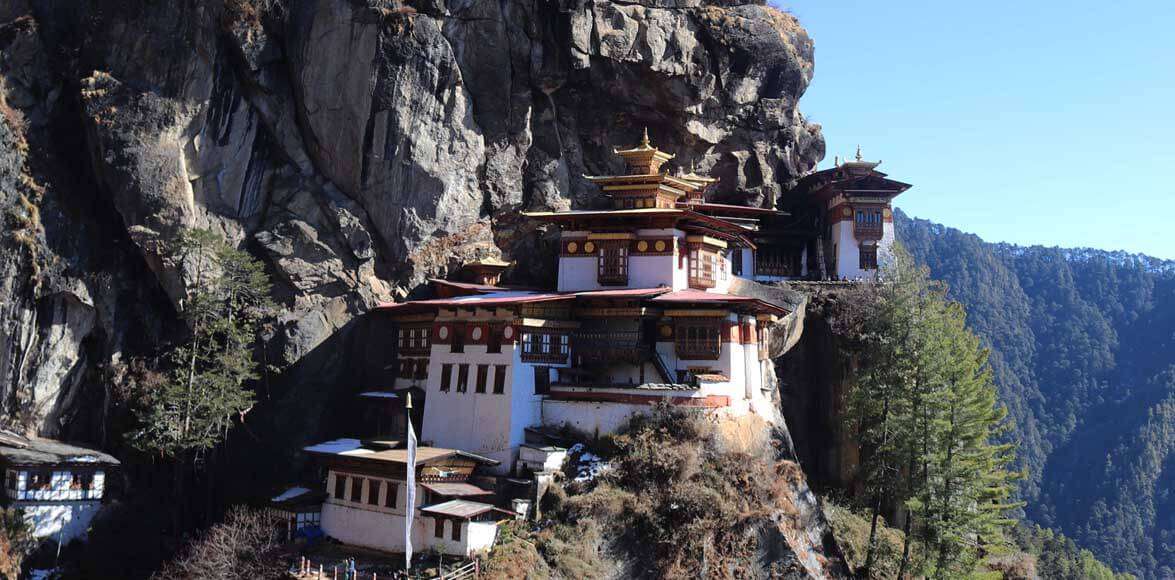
(698, 338)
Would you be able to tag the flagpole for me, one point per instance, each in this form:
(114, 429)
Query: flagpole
(410, 482)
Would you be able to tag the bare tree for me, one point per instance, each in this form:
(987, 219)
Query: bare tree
(244, 546)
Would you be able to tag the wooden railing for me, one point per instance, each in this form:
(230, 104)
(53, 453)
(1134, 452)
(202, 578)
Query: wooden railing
(699, 349)
(608, 346)
(867, 231)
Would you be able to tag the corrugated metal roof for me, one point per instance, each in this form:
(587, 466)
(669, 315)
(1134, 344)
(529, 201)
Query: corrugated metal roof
(492, 299)
(454, 489)
(702, 297)
(461, 508)
(637, 292)
(19, 450)
(354, 448)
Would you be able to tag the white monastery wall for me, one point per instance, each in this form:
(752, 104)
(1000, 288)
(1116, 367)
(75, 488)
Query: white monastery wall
(885, 245)
(590, 417)
(61, 521)
(579, 273)
(475, 537)
(848, 256)
(477, 422)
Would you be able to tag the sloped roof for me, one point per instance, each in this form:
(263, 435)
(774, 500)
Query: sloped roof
(462, 509)
(355, 448)
(456, 489)
(702, 297)
(19, 450)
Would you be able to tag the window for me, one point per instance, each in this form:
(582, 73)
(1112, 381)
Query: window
(356, 489)
(542, 380)
(390, 498)
(373, 486)
(494, 340)
(462, 378)
(340, 486)
(613, 263)
(11, 480)
(702, 266)
(868, 222)
(540, 346)
(406, 368)
(82, 481)
(438, 530)
(499, 379)
(458, 344)
(446, 376)
(483, 372)
(868, 259)
(699, 339)
(456, 535)
(421, 369)
(736, 262)
(414, 340)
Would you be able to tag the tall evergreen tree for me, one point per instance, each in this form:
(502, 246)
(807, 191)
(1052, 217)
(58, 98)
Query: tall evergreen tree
(204, 386)
(926, 413)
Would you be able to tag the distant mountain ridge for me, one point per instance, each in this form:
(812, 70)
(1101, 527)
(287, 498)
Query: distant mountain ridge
(1083, 352)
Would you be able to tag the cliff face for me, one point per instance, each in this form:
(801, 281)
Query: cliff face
(356, 147)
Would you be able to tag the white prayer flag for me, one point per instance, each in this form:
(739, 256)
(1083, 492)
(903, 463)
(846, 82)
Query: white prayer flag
(410, 508)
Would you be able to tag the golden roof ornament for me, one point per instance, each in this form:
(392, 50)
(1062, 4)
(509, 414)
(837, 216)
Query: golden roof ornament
(858, 164)
(644, 159)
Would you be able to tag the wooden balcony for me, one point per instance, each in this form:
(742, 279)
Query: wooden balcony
(701, 283)
(698, 349)
(608, 346)
(867, 231)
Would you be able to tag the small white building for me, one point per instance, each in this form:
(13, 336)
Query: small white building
(366, 498)
(58, 486)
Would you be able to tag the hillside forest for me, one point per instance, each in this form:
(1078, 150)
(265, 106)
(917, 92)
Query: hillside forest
(1082, 348)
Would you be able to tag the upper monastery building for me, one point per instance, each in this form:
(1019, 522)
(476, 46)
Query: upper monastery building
(656, 301)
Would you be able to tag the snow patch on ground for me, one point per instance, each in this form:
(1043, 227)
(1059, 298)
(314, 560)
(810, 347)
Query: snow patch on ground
(588, 465)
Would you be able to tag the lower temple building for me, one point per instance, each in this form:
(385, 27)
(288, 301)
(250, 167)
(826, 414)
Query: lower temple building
(59, 487)
(655, 302)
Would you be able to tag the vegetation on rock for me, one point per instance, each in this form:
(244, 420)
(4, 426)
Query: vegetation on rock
(924, 411)
(243, 546)
(195, 400)
(1082, 349)
(676, 500)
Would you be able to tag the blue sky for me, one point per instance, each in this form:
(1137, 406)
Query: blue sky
(1038, 122)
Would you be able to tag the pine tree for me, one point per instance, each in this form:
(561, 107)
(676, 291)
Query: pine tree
(205, 385)
(926, 413)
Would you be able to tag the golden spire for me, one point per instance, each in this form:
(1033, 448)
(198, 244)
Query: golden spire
(859, 158)
(644, 159)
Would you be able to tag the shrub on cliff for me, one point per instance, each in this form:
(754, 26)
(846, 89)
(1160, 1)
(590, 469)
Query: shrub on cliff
(676, 501)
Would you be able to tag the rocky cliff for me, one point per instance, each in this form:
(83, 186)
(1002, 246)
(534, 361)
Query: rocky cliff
(356, 147)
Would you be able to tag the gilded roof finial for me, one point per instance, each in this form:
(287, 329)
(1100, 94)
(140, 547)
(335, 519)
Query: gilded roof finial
(859, 158)
(645, 139)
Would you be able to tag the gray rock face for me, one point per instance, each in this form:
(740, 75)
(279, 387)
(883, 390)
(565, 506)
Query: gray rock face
(357, 147)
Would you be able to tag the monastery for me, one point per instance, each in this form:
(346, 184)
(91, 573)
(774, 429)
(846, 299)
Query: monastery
(654, 303)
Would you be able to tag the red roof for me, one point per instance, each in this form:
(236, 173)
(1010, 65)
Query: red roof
(702, 297)
(730, 208)
(504, 298)
(632, 292)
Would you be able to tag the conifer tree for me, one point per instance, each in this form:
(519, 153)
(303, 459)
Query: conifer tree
(205, 385)
(926, 414)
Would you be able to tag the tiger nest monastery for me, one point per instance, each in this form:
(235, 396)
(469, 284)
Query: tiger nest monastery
(659, 299)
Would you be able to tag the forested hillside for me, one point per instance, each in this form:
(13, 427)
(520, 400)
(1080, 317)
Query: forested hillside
(1083, 352)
